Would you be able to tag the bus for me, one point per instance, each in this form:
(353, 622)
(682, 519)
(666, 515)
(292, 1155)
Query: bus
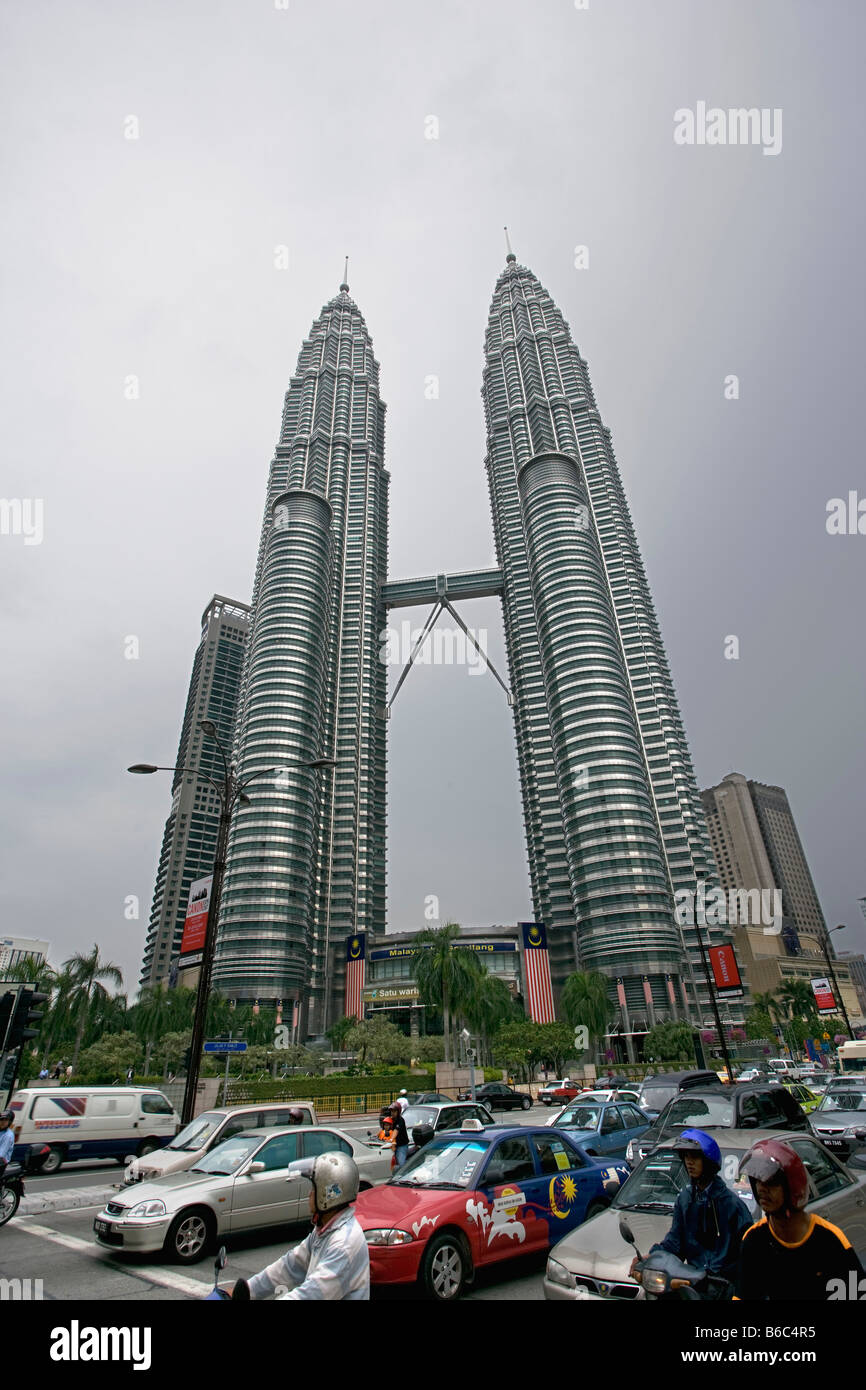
(852, 1058)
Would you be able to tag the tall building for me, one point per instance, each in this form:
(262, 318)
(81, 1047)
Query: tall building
(614, 822)
(306, 861)
(757, 847)
(190, 837)
(15, 949)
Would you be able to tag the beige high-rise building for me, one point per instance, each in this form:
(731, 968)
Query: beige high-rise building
(755, 841)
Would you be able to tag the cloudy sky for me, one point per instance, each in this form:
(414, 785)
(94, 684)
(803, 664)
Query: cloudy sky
(305, 125)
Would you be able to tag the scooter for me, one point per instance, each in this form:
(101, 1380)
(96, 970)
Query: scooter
(664, 1275)
(12, 1182)
(241, 1292)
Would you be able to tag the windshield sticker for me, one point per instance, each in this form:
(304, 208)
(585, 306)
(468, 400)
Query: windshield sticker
(418, 1226)
(561, 1159)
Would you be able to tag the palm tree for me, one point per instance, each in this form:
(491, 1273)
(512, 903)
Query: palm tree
(446, 974)
(798, 997)
(58, 1016)
(490, 1007)
(151, 1018)
(768, 1004)
(585, 1001)
(88, 971)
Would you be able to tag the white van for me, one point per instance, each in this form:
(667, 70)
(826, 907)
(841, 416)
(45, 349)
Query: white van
(210, 1128)
(782, 1068)
(78, 1122)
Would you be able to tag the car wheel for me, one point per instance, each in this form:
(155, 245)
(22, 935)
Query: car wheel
(147, 1146)
(445, 1267)
(189, 1237)
(53, 1160)
(526, 1103)
(594, 1208)
(9, 1199)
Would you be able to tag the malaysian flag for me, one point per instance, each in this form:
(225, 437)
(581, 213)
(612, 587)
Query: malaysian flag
(539, 990)
(356, 970)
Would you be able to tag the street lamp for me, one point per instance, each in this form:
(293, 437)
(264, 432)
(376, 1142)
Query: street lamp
(713, 1001)
(836, 990)
(230, 791)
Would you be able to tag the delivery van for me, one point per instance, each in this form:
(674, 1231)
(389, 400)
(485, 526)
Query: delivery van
(87, 1122)
(213, 1127)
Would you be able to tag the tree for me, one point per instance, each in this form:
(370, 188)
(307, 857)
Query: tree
(490, 1006)
(759, 1024)
(669, 1042)
(377, 1041)
(170, 1049)
(797, 997)
(87, 972)
(57, 1027)
(429, 1049)
(767, 1003)
(111, 1057)
(585, 1002)
(339, 1031)
(446, 974)
(555, 1042)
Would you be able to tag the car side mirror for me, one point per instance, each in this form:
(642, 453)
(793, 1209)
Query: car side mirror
(254, 1168)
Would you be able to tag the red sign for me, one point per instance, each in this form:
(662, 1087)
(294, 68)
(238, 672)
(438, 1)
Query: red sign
(726, 974)
(825, 1000)
(195, 925)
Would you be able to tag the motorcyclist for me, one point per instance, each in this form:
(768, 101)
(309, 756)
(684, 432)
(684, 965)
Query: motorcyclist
(296, 1116)
(709, 1219)
(333, 1262)
(7, 1138)
(790, 1254)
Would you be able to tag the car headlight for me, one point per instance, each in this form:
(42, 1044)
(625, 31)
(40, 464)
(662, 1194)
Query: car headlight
(152, 1208)
(388, 1236)
(558, 1274)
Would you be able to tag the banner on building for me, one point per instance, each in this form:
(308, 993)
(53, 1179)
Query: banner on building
(825, 1000)
(195, 924)
(356, 973)
(726, 972)
(539, 991)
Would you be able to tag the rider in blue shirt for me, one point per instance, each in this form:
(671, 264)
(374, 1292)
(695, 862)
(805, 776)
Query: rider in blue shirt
(7, 1138)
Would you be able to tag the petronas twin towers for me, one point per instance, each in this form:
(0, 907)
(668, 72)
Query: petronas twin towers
(614, 821)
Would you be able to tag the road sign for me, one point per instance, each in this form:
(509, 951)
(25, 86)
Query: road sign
(225, 1047)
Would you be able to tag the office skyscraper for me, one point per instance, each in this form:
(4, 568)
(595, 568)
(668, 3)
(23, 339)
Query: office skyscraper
(189, 841)
(614, 821)
(306, 862)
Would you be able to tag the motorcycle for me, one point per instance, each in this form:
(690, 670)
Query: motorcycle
(12, 1182)
(664, 1275)
(241, 1291)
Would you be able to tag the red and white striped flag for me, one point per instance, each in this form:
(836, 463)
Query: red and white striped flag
(536, 962)
(356, 974)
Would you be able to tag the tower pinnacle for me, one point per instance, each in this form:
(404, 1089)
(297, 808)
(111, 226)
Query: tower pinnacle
(345, 284)
(510, 258)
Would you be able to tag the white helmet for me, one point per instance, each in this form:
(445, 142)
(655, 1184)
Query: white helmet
(334, 1176)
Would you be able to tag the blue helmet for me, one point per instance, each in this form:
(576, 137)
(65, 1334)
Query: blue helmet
(693, 1141)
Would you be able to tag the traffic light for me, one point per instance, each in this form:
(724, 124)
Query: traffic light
(7, 1006)
(25, 1015)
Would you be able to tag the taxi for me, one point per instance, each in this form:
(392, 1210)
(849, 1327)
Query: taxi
(477, 1196)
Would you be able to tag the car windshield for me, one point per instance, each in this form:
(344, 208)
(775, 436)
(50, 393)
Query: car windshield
(579, 1117)
(656, 1097)
(655, 1183)
(443, 1163)
(419, 1115)
(197, 1132)
(701, 1111)
(227, 1157)
(842, 1100)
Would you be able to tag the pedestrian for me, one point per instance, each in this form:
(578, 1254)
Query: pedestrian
(44, 1074)
(55, 1075)
(69, 1073)
(403, 1101)
(130, 1074)
(790, 1255)
(399, 1135)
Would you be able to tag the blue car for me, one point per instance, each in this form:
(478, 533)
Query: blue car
(603, 1129)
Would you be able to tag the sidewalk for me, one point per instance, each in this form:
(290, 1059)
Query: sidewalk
(65, 1198)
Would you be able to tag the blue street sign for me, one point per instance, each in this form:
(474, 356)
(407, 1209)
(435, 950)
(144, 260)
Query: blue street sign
(225, 1047)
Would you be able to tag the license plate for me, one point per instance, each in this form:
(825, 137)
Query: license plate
(102, 1228)
(836, 1143)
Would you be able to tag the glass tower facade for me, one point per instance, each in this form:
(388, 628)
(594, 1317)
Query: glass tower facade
(306, 860)
(614, 821)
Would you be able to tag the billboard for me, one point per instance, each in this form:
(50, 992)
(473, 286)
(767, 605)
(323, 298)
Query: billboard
(726, 972)
(195, 925)
(825, 1000)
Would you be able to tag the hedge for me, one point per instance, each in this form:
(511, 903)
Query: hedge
(313, 1087)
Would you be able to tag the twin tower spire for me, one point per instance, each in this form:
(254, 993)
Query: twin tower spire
(613, 818)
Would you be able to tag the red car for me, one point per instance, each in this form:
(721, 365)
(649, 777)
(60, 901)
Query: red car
(477, 1196)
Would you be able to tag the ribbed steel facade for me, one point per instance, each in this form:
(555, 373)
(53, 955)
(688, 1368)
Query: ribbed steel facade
(614, 821)
(306, 861)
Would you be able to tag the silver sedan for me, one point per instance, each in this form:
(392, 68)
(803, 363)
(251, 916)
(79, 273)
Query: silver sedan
(241, 1185)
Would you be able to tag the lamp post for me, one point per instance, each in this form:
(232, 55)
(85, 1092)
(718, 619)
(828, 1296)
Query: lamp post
(231, 791)
(713, 1000)
(836, 990)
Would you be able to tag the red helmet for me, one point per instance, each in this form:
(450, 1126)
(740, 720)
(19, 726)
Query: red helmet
(772, 1161)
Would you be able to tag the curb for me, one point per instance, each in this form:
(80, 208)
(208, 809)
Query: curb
(65, 1199)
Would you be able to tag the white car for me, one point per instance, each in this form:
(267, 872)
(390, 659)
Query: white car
(593, 1261)
(241, 1185)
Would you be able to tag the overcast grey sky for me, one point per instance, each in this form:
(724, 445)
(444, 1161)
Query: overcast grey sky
(155, 257)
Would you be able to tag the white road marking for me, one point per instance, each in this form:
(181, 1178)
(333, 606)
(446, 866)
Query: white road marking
(197, 1288)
